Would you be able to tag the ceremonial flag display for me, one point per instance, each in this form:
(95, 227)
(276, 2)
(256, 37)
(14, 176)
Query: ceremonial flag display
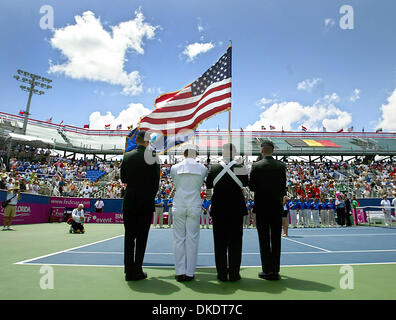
(303, 128)
(130, 143)
(311, 143)
(185, 109)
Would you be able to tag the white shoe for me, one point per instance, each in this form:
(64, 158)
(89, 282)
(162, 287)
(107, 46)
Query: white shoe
(4, 229)
(9, 228)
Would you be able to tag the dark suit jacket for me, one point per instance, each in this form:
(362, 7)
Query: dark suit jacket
(142, 179)
(227, 196)
(268, 181)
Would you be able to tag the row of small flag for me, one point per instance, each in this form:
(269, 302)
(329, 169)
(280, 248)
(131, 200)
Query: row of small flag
(305, 129)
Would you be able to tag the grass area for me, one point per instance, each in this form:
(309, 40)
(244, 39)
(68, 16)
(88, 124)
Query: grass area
(30, 241)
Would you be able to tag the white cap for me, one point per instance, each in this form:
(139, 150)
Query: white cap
(190, 146)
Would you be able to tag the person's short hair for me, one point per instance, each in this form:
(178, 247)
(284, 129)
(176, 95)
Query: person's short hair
(142, 136)
(229, 147)
(267, 144)
(190, 151)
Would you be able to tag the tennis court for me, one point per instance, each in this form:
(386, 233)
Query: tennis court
(90, 266)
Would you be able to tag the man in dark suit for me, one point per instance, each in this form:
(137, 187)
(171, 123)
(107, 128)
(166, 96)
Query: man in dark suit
(268, 181)
(228, 208)
(140, 170)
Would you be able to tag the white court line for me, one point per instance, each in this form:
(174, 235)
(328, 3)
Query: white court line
(209, 267)
(305, 244)
(65, 251)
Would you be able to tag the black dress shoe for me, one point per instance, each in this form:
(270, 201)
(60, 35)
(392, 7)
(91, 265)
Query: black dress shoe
(180, 277)
(188, 278)
(234, 278)
(266, 276)
(135, 277)
(275, 276)
(222, 277)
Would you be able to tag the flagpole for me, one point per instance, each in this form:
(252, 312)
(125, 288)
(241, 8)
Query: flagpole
(229, 111)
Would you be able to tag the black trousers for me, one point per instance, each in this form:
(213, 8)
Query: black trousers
(137, 228)
(340, 216)
(227, 235)
(269, 234)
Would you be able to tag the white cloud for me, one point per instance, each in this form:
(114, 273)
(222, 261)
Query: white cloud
(331, 98)
(291, 115)
(96, 54)
(308, 84)
(329, 23)
(388, 117)
(129, 116)
(194, 49)
(355, 96)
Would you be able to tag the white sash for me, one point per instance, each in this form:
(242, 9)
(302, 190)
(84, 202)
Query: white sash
(227, 168)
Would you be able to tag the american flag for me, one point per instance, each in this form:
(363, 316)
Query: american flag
(187, 108)
(272, 127)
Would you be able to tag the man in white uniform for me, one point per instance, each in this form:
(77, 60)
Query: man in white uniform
(188, 177)
(77, 223)
(386, 204)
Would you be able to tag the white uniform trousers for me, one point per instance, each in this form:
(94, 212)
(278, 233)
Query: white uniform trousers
(388, 217)
(293, 218)
(304, 217)
(158, 213)
(324, 217)
(332, 221)
(315, 217)
(170, 217)
(186, 228)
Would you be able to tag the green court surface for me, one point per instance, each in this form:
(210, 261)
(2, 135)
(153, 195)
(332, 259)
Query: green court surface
(24, 281)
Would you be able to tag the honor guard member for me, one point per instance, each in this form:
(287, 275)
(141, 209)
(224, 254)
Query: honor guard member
(228, 209)
(268, 181)
(188, 177)
(140, 171)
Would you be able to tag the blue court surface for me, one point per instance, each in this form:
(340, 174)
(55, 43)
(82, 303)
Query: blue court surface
(303, 247)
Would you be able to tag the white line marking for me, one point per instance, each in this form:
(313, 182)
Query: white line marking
(306, 244)
(65, 251)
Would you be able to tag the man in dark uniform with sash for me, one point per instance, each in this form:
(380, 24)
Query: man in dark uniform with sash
(268, 181)
(140, 171)
(228, 208)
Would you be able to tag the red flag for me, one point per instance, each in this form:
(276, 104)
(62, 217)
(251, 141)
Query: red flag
(86, 126)
(21, 112)
(341, 130)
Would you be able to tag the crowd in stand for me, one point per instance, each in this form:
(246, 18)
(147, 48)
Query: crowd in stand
(67, 177)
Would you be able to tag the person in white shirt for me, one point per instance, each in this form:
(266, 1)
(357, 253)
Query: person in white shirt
(386, 204)
(13, 195)
(394, 205)
(77, 222)
(188, 177)
(99, 204)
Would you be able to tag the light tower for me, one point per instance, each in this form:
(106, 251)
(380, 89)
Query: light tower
(33, 81)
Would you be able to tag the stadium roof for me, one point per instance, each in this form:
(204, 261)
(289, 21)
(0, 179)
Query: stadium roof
(88, 141)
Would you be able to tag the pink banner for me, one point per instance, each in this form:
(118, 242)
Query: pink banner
(69, 202)
(27, 213)
(103, 217)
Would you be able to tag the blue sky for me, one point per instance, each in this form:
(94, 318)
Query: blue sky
(293, 64)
